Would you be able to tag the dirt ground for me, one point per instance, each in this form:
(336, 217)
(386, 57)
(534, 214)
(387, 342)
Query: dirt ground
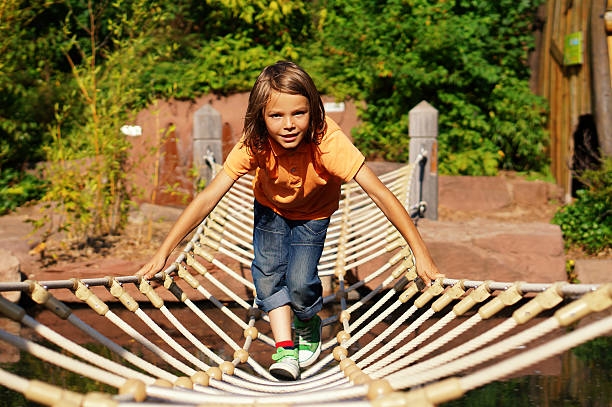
(136, 242)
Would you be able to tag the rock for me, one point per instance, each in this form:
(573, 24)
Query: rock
(155, 213)
(9, 353)
(473, 193)
(17, 237)
(593, 271)
(10, 271)
(529, 192)
(487, 250)
(554, 192)
(543, 239)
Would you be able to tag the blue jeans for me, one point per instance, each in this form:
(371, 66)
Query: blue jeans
(287, 253)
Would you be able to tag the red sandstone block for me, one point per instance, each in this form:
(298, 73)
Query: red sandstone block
(594, 271)
(529, 192)
(547, 244)
(10, 272)
(473, 193)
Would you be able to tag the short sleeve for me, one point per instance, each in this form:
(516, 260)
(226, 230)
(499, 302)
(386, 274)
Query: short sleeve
(338, 155)
(239, 161)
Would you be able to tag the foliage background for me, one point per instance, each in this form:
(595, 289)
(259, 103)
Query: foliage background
(587, 222)
(71, 71)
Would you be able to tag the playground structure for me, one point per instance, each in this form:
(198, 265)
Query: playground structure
(402, 366)
(571, 68)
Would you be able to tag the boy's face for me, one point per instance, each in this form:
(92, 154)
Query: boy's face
(287, 118)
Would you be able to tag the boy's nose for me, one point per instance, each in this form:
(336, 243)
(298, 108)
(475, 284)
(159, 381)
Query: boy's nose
(288, 123)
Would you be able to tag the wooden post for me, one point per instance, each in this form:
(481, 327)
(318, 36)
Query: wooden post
(586, 68)
(566, 113)
(573, 105)
(555, 95)
(206, 140)
(602, 92)
(423, 132)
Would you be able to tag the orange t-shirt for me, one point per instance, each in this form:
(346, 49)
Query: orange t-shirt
(300, 184)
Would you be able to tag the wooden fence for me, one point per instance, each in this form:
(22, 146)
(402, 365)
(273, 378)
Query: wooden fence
(567, 72)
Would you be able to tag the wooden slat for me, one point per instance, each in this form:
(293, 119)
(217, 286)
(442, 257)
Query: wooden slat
(610, 56)
(585, 76)
(566, 111)
(574, 101)
(555, 96)
(544, 75)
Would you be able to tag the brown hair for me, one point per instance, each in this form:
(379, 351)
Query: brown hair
(285, 77)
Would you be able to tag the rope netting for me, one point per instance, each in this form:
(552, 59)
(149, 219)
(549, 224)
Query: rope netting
(395, 342)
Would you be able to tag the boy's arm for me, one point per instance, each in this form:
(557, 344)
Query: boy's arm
(191, 217)
(399, 217)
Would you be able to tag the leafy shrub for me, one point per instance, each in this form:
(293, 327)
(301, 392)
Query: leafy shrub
(29, 63)
(467, 58)
(587, 222)
(88, 166)
(18, 188)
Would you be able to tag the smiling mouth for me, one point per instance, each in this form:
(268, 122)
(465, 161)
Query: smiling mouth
(289, 137)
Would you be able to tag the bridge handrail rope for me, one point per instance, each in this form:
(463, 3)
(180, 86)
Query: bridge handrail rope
(355, 369)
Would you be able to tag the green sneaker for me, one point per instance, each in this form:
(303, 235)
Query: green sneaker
(285, 366)
(308, 340)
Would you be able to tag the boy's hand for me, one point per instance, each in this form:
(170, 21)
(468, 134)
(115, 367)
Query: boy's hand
(427, 269)
(152, 267)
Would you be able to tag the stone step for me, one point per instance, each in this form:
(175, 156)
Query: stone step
(593, 271)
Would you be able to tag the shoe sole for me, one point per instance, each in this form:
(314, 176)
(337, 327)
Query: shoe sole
(283, 374)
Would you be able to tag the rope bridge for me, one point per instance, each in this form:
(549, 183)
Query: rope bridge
(423, 357)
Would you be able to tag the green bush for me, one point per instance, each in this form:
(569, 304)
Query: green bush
(29, 66)
(466, 58)
(18, 188)
(587, 222)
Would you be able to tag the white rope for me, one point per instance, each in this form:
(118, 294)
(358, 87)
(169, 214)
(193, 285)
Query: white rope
(542, 352)
(430, 347)
(125, 354)
(398, 338)
(83, 353)
(13, 382)
(148, 344)
(66, 362)
(170, 341)
(358, 233)
(401, 380)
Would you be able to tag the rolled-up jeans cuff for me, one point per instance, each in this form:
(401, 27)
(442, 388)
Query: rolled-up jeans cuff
(278, 299)
(309, 312)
